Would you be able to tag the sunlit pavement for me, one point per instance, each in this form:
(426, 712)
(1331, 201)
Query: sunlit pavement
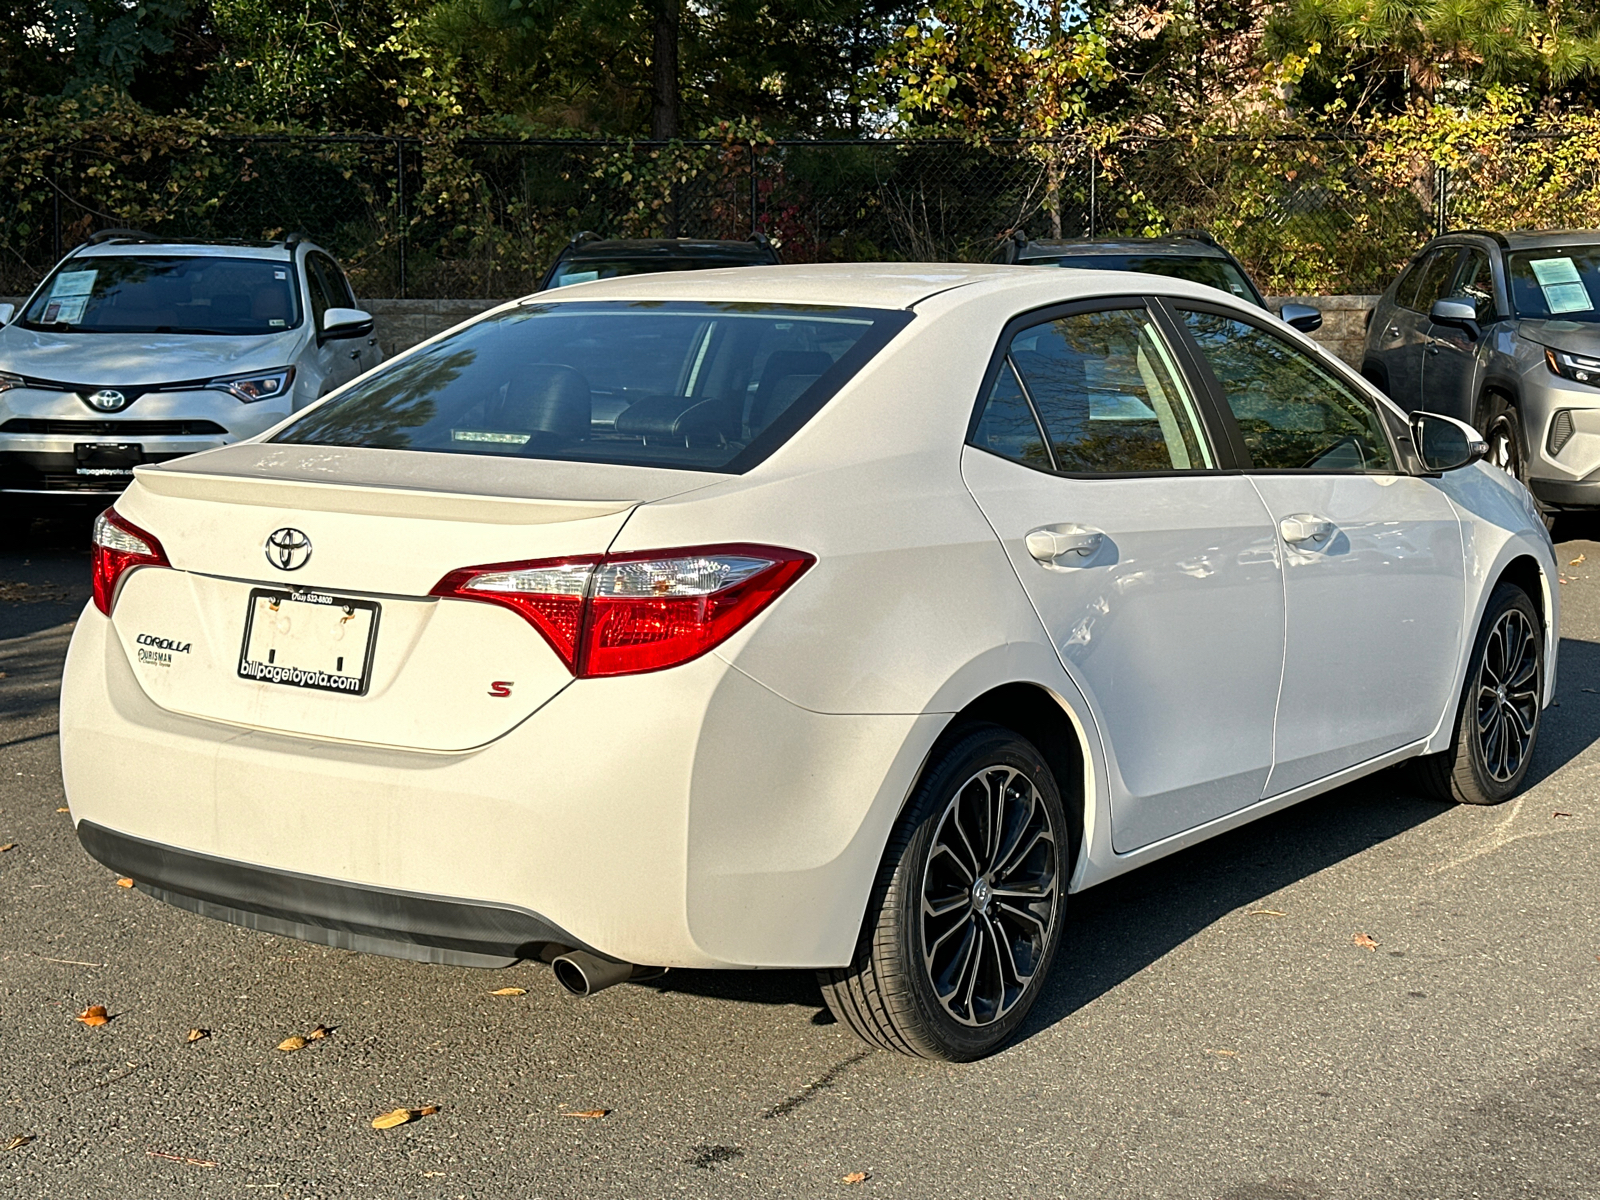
(1212, 1029)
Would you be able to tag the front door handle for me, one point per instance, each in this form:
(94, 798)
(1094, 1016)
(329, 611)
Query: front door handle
(1305, 527)
(1051, 544)
(1394, 331)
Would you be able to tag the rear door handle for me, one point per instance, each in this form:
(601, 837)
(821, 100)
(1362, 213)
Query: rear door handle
(1394, 331)
(1064, 545)
(1305, 527)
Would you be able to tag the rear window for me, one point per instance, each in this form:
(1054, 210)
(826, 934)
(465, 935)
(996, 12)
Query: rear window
(712, 387)
(177, 294)
(1213, 272)
(584, 270)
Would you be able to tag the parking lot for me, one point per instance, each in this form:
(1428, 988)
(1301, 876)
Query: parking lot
(1213, 1028)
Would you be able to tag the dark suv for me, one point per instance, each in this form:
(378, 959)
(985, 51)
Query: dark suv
(588, 256)
(1193, 255)
(1503, 330)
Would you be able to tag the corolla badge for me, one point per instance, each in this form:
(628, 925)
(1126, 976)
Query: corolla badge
(108, 400)
(288, 549)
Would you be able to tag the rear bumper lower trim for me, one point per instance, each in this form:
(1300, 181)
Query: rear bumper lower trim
(347, 915)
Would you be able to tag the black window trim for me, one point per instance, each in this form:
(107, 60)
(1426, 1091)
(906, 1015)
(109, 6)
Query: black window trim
(1223, 453)
(1403, 459)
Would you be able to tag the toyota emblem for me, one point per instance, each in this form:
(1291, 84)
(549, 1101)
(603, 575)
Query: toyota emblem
(108, 400)
(288, 549)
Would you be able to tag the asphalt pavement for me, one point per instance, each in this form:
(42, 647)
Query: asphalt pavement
(1212, 1030)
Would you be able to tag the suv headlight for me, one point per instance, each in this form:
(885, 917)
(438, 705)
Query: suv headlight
(1573, 366)
(259, 385)
(9, 381)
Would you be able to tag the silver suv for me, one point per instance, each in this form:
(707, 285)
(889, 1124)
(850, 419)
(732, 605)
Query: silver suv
(137, 349)
(1503, 330)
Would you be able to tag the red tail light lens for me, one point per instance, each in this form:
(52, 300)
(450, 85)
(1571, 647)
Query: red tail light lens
(626, 614)
(119, 546)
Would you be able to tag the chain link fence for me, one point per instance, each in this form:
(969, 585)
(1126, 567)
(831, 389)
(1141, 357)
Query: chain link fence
(474, 217)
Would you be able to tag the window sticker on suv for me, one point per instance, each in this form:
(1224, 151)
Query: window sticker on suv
(1561, 284)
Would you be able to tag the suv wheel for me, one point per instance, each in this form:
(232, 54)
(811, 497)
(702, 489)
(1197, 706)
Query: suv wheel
(965, 914)
(1500, 706)
(1503, 432)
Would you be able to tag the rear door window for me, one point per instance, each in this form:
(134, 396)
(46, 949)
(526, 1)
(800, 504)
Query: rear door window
(701, 386)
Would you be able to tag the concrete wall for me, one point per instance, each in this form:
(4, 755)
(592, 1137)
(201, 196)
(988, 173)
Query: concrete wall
(401, 324)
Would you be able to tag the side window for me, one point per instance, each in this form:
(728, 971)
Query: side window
(321, 302)
(1007, 426)
(1433, 277)
(1293, 413)
(1473, 282)
(334, 284)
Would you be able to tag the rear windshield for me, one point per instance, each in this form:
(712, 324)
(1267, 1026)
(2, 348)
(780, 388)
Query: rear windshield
(1213, 272)
(1562, 283)
(139, 293)
(712, 387)
(582, 270)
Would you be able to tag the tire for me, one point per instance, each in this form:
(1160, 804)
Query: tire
(997, 928)
(1497, 726)
(1502, 429)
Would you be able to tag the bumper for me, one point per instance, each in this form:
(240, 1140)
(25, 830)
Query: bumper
(688, 817)
(1563, 493)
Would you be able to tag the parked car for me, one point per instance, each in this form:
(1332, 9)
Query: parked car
(1502, 330)
(588, 257)
(139, 349)
(1193, 254)
(897, 603)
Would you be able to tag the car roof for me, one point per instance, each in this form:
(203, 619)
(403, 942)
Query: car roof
(648, 248)
(1524, 239)
(1173, 247)
(870, 285)
(115, 249)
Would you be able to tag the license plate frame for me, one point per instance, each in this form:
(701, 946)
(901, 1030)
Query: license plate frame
(315, 608)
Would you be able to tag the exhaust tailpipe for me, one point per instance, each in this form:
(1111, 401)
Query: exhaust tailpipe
(584, 974)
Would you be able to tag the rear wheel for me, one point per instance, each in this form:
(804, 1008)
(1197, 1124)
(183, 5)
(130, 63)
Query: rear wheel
(965, 913)
(1498, 723)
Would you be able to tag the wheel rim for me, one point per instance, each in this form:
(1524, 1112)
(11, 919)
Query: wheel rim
(1508, 696)
(989, 896)
(1504, 452)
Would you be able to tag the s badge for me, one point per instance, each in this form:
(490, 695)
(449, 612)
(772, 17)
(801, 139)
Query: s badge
(500, 687)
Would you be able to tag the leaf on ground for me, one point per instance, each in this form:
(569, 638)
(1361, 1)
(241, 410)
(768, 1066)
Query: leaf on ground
(1265, 912)
(196, 1035)
(1224, 1053)
(317, 1034)
(59, 809)
(18, 1142)
(856, 1177)
(181, 1158)
(1365, 940)
(8, 846)
(124, 882)
(589, 1114)
(1558, 813)
(290, 1044)
(1579, 559)
(509, 991)
(95, 1014)
(402, 1116)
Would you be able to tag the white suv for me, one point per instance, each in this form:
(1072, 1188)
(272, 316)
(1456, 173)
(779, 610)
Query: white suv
(137, 350)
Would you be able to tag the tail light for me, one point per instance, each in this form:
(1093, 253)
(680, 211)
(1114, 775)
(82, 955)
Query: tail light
(119, 546)
(627, 613)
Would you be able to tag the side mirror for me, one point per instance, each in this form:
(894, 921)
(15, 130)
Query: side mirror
(1444, 443)
(1463, 314)
(7, 311)
(1302, 317)
(346, 323)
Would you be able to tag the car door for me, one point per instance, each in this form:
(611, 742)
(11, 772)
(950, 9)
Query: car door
(1403, 340)
(363, 352)
(1373, 572)
(1153, 568)
(1453, 362)
(344, 357)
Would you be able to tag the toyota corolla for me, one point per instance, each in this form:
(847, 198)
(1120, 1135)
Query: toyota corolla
(847, 618)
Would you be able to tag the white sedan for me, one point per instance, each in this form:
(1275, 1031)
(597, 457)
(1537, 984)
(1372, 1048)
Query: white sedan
(842, 617)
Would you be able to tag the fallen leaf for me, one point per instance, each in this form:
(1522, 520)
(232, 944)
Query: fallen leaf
(317, 1034)
(1579, 559)
(427, 1110)
(1265, 912)
(124, 882)
(8, 846)
(856, 1177)
(589, 1114)
(390, 1120)
(18, 1142)
(1559, 814)
(1365, 940)
(509, 991)
(1224, 1053)
(95, 1014)
(181, 1158)
(63, 810)
(290, 1044)
(196, 1034)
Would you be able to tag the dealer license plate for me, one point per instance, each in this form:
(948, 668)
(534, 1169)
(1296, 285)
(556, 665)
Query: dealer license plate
(309, 640)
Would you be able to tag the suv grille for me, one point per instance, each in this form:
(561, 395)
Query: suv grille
(71, 428)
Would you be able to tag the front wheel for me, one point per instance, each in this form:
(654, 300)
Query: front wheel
(965, 913)
(1498, 724)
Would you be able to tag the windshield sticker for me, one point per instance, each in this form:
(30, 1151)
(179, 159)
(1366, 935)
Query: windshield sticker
(72, 283)
(484, 435)
(65, 312)
(1561, 284)
(275, 322)
(280, 275)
